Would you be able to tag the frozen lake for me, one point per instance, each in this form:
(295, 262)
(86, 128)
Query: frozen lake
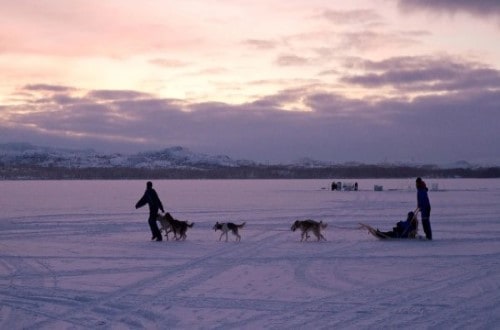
(77, 255)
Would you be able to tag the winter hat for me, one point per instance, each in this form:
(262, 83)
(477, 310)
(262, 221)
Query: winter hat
(420, 183)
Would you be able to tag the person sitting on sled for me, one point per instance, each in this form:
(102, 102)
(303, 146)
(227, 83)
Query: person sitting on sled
(404, 229)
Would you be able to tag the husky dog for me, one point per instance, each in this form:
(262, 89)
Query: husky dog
(309, 225)
(169, 224)
(165, 224)
(225, 227)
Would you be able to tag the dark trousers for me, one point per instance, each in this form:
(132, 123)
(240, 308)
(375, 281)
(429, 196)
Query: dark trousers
(154, 227)
(426, 223)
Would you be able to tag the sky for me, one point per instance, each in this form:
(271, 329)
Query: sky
(272, 81)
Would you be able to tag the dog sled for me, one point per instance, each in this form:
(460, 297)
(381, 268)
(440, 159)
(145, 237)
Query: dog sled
(382, 236)
(403, 230)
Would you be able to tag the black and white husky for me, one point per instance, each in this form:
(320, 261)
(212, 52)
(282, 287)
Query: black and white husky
(225, 227)
(307, 226)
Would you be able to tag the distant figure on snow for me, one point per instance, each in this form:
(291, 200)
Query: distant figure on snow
(334, 186)
(425, 206)
(404, 229)
(151, 198)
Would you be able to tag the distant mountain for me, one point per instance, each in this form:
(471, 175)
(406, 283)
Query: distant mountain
(309, 163)
(23, 161)
(176, 157)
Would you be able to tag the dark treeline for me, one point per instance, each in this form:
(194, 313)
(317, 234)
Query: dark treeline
(243, 172)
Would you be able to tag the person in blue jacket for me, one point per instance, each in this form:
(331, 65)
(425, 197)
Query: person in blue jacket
(404, 229)
(425, 206)
(151, 198)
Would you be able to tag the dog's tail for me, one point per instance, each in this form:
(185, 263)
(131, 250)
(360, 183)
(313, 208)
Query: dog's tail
(241, 226)
(190, 225)
(323, 225)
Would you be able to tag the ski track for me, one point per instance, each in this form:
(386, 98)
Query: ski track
(96, 270)
(342, 308)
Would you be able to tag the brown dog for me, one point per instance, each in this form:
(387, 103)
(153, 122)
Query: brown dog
(307, 226)
(171, 225)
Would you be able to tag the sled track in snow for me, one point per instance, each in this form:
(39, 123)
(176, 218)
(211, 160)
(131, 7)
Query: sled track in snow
(92, 270)
(33, 286)
(123, 305)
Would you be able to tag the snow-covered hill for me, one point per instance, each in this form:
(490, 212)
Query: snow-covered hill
(174, 157)
(28, 155)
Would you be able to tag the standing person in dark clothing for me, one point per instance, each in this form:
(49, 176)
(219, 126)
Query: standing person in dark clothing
(425, 206)
(151, 198)
(334, 186)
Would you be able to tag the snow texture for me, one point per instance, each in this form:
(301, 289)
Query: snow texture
(77, 255)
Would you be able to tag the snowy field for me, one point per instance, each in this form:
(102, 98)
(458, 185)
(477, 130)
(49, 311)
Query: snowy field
(77, 255)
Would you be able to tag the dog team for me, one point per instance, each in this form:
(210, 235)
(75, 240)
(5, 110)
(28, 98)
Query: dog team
(179, 228)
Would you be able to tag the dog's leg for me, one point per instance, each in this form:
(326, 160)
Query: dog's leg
(168, 231)
(321, 237)
(221, 236)
(238, 237)
(307, 235)
(172, 230)
(225, 230)
(183, 233)
(318, 235)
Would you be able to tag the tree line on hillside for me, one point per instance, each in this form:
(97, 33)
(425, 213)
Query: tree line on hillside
(242, 172)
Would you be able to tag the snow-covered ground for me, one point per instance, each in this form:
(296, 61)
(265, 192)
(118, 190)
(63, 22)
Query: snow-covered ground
(77, 255)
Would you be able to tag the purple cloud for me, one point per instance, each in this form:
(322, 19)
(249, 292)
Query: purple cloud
(291, 60)
(116, 95)
(434, 128)
(474, 7)
(425, 74)
(351, 16)
(47, 88)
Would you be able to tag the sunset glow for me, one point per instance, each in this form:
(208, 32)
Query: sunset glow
(338, 79)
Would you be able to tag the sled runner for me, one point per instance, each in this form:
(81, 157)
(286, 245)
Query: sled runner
(375, 232)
